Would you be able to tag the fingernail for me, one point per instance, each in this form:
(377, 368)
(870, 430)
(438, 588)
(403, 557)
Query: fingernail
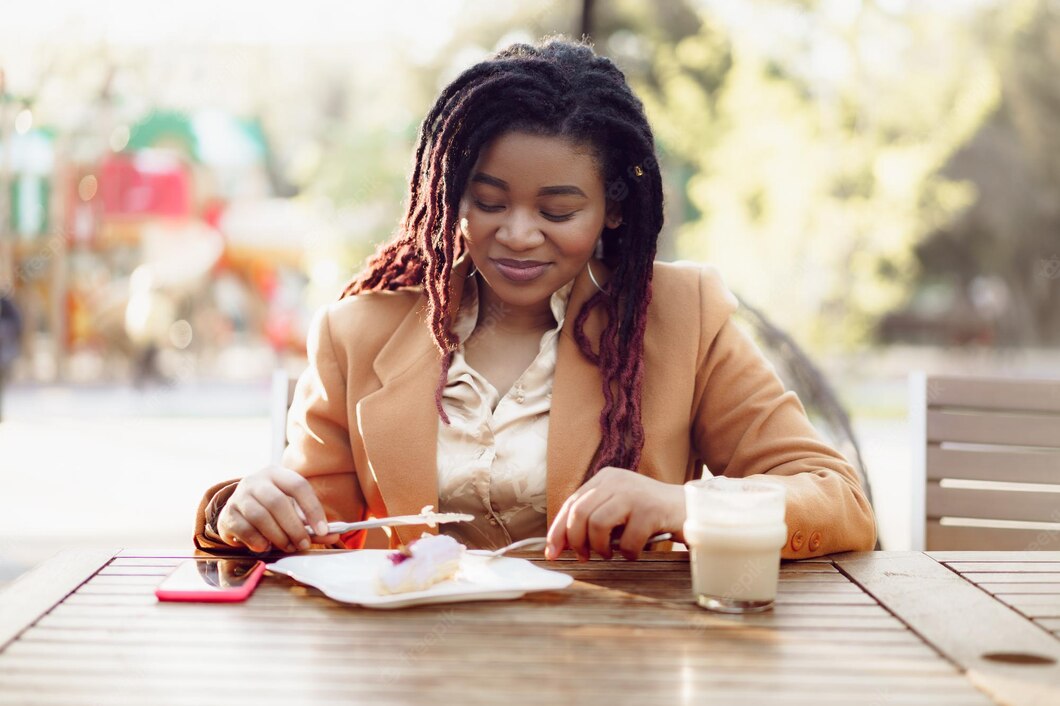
(550, 553)
(322, 527)
(304, 544)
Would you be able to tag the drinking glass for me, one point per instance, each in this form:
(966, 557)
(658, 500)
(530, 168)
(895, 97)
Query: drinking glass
(734, 531)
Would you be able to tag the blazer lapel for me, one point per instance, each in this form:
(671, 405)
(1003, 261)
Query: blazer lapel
(398, 423)
(577, 396)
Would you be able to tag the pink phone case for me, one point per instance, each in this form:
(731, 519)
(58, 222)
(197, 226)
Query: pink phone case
(214, 595)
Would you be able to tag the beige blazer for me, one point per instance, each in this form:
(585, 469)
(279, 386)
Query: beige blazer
(363, 427)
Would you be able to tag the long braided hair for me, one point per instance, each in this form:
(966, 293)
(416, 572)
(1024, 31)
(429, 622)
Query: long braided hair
(556, 88)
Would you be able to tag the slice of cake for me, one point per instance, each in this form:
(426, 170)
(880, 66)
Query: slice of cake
(421, 563)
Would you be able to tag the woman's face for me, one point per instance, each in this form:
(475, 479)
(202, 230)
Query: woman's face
(533, 199)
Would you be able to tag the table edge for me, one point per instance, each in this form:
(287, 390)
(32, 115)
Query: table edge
(45, 586)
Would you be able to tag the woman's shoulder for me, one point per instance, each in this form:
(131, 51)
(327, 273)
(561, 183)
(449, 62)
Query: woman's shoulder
(369, 316)
(683, 288)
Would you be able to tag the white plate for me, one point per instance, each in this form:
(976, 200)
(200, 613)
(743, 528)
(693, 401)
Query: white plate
(350, 577)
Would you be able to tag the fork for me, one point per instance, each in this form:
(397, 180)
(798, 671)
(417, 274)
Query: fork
(540, 542)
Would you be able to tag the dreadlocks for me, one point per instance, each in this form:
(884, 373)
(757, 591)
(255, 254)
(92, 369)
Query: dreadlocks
(557, 88)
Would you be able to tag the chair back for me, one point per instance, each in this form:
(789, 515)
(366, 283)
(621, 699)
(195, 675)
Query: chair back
(280, 398)
(986, 463)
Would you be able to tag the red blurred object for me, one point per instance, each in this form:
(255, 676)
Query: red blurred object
(279, 327)
(151, 182)
(212, 212)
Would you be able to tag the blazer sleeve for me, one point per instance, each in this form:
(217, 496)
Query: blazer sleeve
(745, 424)
(318, 445)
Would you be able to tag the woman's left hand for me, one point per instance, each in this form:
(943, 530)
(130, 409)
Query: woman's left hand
(613, 497)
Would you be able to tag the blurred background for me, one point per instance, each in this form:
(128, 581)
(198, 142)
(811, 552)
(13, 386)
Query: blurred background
(181, 185)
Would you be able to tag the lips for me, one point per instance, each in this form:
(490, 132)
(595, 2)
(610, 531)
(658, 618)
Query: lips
(520, 270)
(520, 263)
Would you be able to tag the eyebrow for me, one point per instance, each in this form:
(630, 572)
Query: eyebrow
(564, 190)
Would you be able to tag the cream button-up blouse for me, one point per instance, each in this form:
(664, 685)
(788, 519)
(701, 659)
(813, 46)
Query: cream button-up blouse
(492, 456)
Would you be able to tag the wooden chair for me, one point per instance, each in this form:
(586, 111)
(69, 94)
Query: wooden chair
(986, 470)
(281, 397)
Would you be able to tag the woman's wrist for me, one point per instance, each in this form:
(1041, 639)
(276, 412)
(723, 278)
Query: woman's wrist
(676, 504)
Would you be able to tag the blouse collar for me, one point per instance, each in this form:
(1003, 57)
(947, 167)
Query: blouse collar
(467, 317)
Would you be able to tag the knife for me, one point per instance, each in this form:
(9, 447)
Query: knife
(426, 517)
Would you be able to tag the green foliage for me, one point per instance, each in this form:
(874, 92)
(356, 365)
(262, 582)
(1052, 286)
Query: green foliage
(817, 154)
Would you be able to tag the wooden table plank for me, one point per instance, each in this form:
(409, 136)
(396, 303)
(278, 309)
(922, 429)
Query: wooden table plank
(1037, 577)
(1036, 567)
(964, 623)
(877, 695)
(281, 626)
(1035, 611)
(1044, 589)
(151, 581)
(324, 664)
(158, 571)
(528, 679)
(39, 589)
(663, 647)
(584, 597)
(992, 556)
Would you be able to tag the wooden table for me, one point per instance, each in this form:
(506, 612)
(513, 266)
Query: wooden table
(861, 628)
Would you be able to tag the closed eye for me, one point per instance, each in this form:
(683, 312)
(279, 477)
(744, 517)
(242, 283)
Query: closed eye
(488, 208)
(552, 217)
(555, 217)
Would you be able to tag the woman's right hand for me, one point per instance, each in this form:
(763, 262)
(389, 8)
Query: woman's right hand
(270, 508)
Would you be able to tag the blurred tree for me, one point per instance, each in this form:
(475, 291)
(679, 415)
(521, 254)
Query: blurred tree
(816, 132)
(1001, 257)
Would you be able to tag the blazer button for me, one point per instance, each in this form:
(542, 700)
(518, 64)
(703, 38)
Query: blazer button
(815, 541)
(797, 540)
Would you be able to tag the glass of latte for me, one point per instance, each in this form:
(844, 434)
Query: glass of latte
(734, 530)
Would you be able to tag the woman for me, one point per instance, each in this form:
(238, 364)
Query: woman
(516, 352)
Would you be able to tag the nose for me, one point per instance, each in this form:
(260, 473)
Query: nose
(520, 231)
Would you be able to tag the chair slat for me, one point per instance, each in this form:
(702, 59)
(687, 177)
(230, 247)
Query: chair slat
(1011, 394)
(1014, 466)
(1010, 430)
(992, 504)
(990, 538)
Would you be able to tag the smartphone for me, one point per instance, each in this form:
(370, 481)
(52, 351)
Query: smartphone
(211, 580)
